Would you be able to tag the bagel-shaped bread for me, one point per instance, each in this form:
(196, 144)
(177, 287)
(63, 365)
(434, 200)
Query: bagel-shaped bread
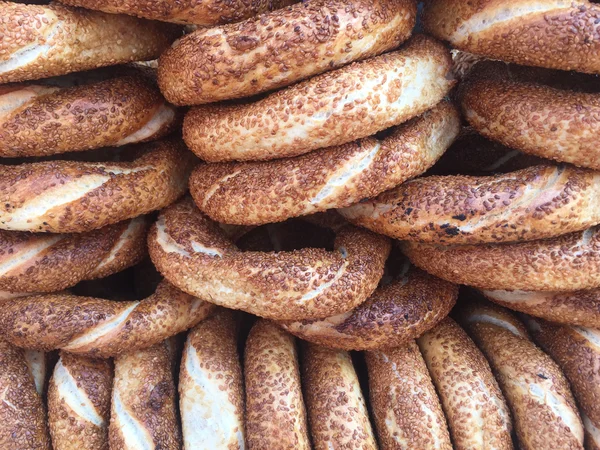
(571, 308)
(577, 352)
(79, 403)
(45, 41)
(334, 108)
(337, 412)
(22, 417)
(275, 412)
(42, 120)
(406, 409)
(559, 34)
(566, 263)
(194, 254)
(211, 387)
(280, 48)
(97, 327)
(478, 417)
(74, 196)
(144, 406)
(537, 392)
(271, 191)
(394, 315)
(534, 203)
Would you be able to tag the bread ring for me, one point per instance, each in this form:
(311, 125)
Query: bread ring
(406, 409)
(557, 34)
(41, 120)
(144, 411)
(211, 387)
(544, 411)
(337, 412)
(533, 203)
(477, 414)
(280, 48)
(79, 403)
(564, 263)
(69, 196)
(275, 413)
(394, 315)
(272, 191)
(194, 254)
(334, 108)
(96, 327)
(22, 416)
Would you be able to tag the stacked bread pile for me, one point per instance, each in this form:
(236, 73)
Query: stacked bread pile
(337, 200)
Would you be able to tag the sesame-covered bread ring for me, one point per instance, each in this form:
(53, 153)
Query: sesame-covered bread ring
(75, 196)
(41, 120)
(566, 263)
(406, 409)
(394, 315)
(97, 327)
(533, 203)
(537, 392)
(334, 108)
(272, 191)
(44, 41)
(194, 254)
(52, 262)
(279, 48)
(79, 403)
(559, 34)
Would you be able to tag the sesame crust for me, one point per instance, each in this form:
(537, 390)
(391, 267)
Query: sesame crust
(96, 327)
(144, 408)
(79, 403)
(282, 47)
(544, 410)
(477, 415)
(194, 254)
(275, 413)
(38, 120)
(271, 191)
(565, 263)
(333, 108)
(394, 315)
(77, 196)
(406, 409)
(558, 34)
(533, 203)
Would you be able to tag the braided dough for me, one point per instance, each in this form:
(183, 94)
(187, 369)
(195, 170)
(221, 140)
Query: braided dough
(272, 191)
(330, 109)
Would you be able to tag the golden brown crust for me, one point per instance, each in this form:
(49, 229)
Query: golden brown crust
(45, 41)
(73, 196)
(564, 263)
(337, 412)
(272, 191)
(394, 315)
(544, 411)
(275, 413)
(534, 203)
(211, 387)
(37, 120)
(277, 49)
(329, 109)
(406, 409)
(144, 409)
(560, 34)
(96, 327)
(477, 414)
(194, 254)
(22, 416)
(79, 403)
